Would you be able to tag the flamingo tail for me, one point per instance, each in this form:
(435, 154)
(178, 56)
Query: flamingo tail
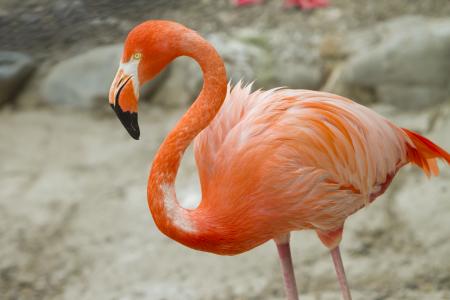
(424, 153)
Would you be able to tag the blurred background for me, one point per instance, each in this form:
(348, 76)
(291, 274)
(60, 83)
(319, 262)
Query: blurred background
(74, 221)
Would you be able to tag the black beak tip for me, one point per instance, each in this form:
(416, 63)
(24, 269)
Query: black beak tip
(134, 131)
(129, 120)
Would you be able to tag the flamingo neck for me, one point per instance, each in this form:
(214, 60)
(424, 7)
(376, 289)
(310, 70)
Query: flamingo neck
(178, 223)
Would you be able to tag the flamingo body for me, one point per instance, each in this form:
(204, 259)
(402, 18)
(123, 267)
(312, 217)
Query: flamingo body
(281, 160)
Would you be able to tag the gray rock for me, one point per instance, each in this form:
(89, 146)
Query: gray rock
(15, 70)
(440, 126)
(264, 58)
(336, 84)
(83, 81)
(404, 62)
(412, 96)
(419, 57)
(295, 65)
(247, 57)
(299, 77)
(184, 81)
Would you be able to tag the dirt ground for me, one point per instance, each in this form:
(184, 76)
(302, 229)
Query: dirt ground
(74, 222)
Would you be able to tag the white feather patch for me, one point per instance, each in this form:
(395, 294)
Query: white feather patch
(131, 68)
(174, 211)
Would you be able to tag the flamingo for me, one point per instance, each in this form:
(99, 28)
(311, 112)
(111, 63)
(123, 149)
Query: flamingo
(269, 162)
(302, 4)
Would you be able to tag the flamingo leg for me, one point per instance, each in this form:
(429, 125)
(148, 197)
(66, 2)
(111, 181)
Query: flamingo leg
(290, 285)
(340, 272)
(305, 4)
(245, 2)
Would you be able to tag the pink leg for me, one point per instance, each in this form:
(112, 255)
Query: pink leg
(306, 4)
(337, 260)
(290, 3)
(284, 252)
(245, 2)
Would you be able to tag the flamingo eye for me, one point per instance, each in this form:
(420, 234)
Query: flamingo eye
(137, 56)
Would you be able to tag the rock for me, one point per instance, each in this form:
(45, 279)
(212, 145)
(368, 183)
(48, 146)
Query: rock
(412, 96)
(184, 81)
(440, 126)
(83, 81)
(264, 59)
(150, 88)
(15, 70)
(245, 55)
(292, 62)
(331, 47)
(336, 84)
(300, 77)
(403, 62)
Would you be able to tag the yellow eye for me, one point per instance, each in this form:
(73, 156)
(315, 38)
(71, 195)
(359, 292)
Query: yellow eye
(137, 56)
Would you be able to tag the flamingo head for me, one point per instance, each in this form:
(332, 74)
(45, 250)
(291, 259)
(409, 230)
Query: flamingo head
(147, 50)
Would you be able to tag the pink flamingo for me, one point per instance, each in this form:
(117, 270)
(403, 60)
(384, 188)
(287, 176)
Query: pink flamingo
(302, 4)
(270, 162)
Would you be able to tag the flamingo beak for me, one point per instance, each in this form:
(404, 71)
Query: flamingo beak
(123, 100)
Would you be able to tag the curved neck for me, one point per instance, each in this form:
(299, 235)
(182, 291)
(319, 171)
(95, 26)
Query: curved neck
(176, 222)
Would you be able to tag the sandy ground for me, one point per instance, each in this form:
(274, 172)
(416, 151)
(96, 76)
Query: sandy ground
(74, 222)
